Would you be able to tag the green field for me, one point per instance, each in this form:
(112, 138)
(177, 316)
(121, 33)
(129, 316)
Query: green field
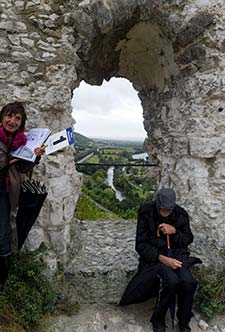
(93, 159)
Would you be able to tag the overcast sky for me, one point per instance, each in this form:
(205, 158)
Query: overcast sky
(112, 110)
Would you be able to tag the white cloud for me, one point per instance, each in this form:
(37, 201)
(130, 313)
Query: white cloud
(111, 110)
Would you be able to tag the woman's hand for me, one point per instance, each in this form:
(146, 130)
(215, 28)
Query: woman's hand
(41, 150)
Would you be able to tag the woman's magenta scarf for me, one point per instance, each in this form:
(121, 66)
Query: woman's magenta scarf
(13, 141)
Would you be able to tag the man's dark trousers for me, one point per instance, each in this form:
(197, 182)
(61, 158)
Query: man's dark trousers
(175, 281)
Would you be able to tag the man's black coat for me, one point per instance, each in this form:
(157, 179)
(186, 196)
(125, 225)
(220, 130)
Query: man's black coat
(149, 246)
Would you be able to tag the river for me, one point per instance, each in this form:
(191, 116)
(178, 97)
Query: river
(109, 180)
(110, 174)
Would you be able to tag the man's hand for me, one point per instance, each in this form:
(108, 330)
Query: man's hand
(171, 262)
(167, 229)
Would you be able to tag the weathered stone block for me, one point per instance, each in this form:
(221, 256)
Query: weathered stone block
(205, 147)
(194, 28)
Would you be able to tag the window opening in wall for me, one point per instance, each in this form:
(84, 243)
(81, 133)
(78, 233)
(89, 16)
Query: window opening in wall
(110, 111)
(109, 137)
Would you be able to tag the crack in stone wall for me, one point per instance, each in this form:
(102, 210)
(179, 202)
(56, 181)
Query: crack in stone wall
(173, 53)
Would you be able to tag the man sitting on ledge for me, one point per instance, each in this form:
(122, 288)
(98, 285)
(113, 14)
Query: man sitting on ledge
(162, 239)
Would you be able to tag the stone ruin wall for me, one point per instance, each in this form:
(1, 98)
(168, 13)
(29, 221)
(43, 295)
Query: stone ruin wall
(174, 54)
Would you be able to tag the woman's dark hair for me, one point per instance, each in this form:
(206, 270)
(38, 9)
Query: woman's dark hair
(14, 108)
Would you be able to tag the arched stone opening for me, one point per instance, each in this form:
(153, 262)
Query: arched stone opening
(164, 58)
(139, 49)
(168, 53)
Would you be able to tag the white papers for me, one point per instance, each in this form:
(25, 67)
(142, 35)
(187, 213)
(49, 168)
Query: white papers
(59, 140)
(36, 137)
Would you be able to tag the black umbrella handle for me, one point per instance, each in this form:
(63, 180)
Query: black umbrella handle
(33, 186)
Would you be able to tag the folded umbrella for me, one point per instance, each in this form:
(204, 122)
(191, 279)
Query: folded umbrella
(173, 301)
(32, 197)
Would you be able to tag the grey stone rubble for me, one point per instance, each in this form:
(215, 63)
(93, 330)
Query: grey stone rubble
(133, 318)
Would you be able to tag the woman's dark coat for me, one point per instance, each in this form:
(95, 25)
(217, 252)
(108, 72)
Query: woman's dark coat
(15, 172)
(149, 246)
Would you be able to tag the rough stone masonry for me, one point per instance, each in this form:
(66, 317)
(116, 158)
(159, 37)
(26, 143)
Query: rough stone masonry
(174, 54)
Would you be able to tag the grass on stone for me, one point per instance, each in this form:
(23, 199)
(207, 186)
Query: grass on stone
(210, 297)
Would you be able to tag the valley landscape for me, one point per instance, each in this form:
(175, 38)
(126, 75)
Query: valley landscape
(116, 180)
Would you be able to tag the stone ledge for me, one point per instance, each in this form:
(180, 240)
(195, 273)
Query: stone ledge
(105, 261)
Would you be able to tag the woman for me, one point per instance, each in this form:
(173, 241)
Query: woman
(12, 124)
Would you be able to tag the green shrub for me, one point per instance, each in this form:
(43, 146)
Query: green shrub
(210, 297)
(27, 294)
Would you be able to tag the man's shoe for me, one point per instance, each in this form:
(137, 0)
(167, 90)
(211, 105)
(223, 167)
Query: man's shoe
(184, 328)
(159, 326)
